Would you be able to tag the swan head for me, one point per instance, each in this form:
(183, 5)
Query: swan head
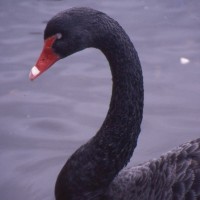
(68, 32)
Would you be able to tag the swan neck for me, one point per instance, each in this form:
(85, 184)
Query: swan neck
(94, 165)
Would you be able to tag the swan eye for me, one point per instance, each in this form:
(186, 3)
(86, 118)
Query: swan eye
(58, 35)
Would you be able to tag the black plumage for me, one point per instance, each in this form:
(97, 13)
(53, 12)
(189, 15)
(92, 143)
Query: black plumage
(95, 171)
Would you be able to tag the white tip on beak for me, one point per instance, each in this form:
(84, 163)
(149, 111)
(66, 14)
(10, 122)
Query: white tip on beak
(34, 73)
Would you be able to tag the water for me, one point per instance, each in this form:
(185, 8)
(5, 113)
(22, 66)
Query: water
(44, 121)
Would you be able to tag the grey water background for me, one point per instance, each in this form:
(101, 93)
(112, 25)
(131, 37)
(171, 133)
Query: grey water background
(43, 122)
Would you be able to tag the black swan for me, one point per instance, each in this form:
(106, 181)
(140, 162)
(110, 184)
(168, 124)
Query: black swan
(94, 171)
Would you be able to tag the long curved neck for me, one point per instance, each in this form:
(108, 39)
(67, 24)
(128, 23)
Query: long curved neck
(118, 135)
(94, 165)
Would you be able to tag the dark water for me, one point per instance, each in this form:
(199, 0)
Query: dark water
(44, 121)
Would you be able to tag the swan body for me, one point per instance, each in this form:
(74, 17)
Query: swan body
(174, 175)
(95, 171)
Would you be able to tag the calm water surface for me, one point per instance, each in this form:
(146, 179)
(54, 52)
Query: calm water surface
(44, 121)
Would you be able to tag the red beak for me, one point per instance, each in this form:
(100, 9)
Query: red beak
(47, 58)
